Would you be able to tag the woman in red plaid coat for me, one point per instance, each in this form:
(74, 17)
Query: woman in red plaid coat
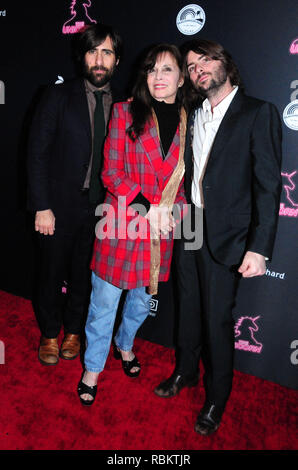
(143, 173)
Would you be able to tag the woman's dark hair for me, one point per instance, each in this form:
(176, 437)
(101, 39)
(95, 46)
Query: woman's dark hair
(141, 104)
(92, 37)
(214, 51)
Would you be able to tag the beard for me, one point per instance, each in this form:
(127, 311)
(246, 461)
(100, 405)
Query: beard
(98, 80)
(218, 80)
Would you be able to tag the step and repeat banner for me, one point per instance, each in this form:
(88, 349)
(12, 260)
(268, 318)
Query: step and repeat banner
(262, 36)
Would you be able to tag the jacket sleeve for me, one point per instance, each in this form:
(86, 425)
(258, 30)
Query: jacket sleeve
(113, 175)
(40, 142)
(266, 183)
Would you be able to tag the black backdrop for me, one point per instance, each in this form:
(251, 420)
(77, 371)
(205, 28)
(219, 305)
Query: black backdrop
(259, 34)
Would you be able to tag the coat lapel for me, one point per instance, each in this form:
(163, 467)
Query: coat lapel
(226, 127)
(172, 156)
(188, 154)
(80, 105)
(150, 143)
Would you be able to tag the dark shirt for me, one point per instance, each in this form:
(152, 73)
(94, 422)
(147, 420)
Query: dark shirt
(107, 103)
(168, 119)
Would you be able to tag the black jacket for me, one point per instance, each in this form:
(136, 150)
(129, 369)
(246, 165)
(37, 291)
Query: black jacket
(59, 148)
(242, 181)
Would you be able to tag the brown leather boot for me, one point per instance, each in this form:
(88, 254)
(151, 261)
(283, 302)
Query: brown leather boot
(48, 353)
(70, 347)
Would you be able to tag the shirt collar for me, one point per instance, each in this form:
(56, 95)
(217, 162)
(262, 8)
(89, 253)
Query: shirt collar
(91, 88)
(222, 107)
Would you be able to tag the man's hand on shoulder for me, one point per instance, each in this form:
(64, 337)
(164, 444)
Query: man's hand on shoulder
(253, 264)
(45, 222)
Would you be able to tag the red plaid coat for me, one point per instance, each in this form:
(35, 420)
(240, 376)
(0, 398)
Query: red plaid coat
(121, 253)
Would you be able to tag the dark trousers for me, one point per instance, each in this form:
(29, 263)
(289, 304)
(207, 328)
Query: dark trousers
(65, 256)
(207, 292)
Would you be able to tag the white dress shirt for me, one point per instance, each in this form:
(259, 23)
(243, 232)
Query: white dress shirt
(206, 125)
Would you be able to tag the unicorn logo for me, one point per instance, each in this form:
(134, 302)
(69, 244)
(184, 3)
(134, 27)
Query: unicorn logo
(245, 330)
(80, 18)
(294, 47)
(289, 186)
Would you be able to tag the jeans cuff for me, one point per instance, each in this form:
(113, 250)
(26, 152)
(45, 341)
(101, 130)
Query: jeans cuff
(123, 348)
(91, 369)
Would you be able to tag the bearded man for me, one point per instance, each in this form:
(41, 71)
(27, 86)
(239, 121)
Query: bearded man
(233, 181)
(64, 164)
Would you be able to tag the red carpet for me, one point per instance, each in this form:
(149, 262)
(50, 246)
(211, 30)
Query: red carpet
(40, 409)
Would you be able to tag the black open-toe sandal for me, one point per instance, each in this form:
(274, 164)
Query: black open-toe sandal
(128, 365)
(84, 388)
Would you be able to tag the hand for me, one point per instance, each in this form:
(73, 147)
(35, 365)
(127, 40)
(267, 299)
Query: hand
(252, 265)
(161, 220)
(167, 222)
(45, 222)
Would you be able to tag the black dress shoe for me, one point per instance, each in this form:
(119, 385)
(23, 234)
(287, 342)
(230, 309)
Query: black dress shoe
(172, 386)
(208, 420)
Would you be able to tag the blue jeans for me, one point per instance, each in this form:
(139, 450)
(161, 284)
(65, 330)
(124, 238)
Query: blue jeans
(101, 318)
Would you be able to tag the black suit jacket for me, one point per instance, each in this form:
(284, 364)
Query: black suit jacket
(242, 181)
(59, 148)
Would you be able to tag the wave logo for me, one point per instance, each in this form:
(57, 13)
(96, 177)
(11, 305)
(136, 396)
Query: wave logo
(79, 17)
(191, 19)
(294, 47)
(245, 330)
(289, 187)
(290, 115)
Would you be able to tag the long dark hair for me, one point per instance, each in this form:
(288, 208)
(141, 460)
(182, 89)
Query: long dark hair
(215, 51)
(140, 106)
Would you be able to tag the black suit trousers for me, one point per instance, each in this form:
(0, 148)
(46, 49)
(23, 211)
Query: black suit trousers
(65, 256)
(207, 292)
